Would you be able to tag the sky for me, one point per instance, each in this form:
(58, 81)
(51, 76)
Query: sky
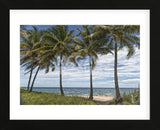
(103, 74)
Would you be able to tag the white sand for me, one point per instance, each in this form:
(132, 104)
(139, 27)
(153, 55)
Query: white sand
(101, 98)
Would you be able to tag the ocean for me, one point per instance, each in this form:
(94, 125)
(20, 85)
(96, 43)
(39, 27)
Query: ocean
(83, 91)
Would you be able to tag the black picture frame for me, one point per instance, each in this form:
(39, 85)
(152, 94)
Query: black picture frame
(7, 124)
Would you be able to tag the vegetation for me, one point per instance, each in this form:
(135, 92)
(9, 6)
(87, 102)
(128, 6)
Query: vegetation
(44, 98)
(86, 47)
(43, 49)
(31, 40)
(117, 37)
(60, 38)
(129, 99)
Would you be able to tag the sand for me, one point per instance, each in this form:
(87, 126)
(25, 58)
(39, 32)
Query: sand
(100, 99)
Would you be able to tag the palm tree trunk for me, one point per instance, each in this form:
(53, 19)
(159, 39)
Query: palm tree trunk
(91, 87)
(61, 89)
(118, 96)
(29, 79)
(34, 79)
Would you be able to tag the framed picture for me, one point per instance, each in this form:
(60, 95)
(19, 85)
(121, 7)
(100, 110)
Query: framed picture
(79, 64)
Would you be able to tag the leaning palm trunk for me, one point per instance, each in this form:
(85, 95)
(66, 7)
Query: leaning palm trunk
(61, 89)
(91, 88)
(118, 96)
(34, 79)
(29, 79)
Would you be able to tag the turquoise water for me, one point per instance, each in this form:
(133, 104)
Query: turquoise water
(84, 91)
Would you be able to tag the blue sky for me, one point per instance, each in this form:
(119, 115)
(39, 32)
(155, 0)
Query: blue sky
(103, 74)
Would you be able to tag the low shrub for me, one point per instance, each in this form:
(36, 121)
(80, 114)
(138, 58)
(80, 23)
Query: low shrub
(127, 98)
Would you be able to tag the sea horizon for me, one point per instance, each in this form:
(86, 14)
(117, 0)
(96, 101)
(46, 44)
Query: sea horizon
(84, 91)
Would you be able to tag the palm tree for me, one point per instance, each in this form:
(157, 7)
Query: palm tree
(33, 39)
(86, 46)
(58, 42)
(119, 36)
(27, 58)
(43, 63)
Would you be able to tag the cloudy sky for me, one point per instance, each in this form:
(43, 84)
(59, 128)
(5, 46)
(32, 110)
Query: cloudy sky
(103, 74)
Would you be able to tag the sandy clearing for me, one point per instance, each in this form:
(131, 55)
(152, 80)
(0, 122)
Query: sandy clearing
(100, 99)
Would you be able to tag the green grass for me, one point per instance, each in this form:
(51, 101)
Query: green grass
(44, 98)
(127, 100)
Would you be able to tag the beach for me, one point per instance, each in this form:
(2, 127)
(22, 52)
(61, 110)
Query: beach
(100, 99)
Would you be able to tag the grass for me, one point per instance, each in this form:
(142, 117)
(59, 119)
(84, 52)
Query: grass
(127, 99)
(44, 98)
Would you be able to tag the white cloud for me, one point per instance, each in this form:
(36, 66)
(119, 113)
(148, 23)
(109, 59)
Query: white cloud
(130, 80)
(103, 74)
